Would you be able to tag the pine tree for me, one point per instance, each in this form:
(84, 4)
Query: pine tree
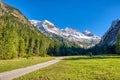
(36, 47)
(21, 47)
(118, 43)
(31, 45)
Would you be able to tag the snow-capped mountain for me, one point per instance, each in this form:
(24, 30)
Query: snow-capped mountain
(88, 33)
(84, 39)
(45, 26)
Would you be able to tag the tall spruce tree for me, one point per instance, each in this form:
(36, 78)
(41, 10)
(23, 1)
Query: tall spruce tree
(118, 43)
(21, 47)
(36, 47)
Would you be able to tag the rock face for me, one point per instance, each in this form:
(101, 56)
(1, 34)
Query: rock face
(110, 36)
(84, 39)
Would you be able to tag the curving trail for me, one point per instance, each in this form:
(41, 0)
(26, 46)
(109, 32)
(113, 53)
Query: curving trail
(22, 71)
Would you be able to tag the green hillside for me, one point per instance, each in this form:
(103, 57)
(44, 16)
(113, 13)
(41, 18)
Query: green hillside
(18, 38)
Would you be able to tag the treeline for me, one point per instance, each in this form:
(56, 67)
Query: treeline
(20, 40)
(106, 49)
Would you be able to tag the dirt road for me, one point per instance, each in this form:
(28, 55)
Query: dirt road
(22, 71)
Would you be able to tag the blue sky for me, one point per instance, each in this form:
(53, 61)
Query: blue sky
(93, 15)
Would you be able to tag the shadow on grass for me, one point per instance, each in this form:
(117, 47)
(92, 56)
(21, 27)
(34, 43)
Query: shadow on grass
(94, 57)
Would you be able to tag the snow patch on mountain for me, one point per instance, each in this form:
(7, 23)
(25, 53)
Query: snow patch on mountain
(82, 38)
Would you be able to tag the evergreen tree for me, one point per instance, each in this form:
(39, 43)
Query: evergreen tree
(118, 43)
(31, 45)
(21, 47)
(36, 47)
(57, 48)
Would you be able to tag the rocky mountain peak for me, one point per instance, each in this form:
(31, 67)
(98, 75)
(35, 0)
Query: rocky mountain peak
(88, 33)
(35, 22)
(48, 24)
(46, 21)
(69, 30)
(110, 37)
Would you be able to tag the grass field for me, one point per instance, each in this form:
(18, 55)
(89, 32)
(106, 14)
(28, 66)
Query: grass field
(7, 65)
(79, 68)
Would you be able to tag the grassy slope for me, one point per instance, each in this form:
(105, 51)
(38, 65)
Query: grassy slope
(77, 68)
(6, 65)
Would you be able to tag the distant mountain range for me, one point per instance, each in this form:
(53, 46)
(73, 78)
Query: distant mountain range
(84, 39)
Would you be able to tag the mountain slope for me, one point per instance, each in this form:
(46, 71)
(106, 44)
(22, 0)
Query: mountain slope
(18, 38)
(5, 8)
(109, 43)
(110, 37)
(85, 39)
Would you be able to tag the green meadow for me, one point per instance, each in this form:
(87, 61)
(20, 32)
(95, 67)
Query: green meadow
(7, 65)
(79, 68)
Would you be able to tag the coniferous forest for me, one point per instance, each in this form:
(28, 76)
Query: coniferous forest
(20, 40)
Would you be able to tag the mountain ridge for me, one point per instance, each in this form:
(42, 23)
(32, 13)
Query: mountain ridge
(81, 38)
(7, 9)
(110, 37)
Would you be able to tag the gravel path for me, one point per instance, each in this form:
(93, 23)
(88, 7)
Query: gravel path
(22, 71)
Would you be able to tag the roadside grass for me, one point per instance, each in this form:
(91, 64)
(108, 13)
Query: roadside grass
(79, 68)
(7, 65)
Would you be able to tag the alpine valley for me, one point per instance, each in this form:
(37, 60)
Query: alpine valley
(20, 37)
(33, 49)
